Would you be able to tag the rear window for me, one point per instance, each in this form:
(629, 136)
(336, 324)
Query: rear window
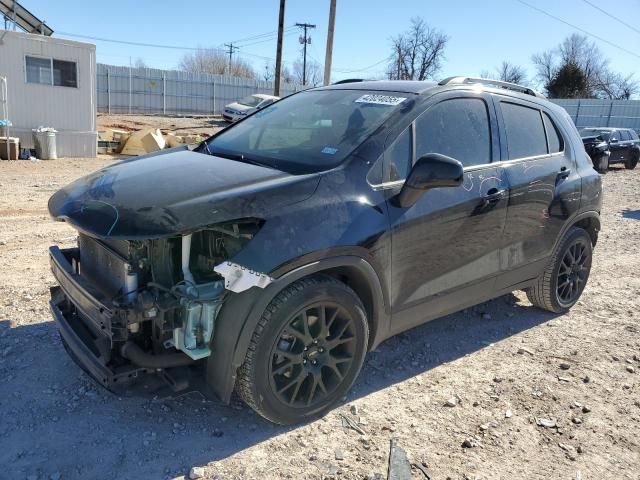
(525, 131)
(634, 135)
(554, 137)
(624, 135)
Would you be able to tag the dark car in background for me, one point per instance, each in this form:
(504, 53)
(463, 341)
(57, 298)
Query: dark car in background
(611, 145)
(270, 258)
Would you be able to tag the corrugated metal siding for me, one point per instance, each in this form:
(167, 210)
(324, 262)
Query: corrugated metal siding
(602, 113)
(71, 111)
(149, 90)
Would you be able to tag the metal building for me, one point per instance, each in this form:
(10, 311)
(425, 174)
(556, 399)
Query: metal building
(51, 82)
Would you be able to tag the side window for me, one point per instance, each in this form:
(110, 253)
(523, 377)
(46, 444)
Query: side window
(524, 129)
(624, 136)
(458, 128)
(556, 144)
(634, 135)
(615, 135)
(394, 163)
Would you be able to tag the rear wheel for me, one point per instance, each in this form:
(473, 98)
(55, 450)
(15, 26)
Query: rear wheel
(563, 280)
(306, 351)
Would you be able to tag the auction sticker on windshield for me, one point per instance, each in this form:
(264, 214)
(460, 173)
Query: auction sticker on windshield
(381, 99)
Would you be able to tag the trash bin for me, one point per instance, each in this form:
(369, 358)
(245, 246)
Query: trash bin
(44, 140)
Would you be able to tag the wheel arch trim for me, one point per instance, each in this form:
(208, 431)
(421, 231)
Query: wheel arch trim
(240, 315)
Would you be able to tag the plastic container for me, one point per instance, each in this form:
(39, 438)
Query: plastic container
(45, 143)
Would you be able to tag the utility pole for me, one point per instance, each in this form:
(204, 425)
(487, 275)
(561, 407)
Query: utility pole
(276, 80)
(230, 52)
(329, 52)
(305, 40)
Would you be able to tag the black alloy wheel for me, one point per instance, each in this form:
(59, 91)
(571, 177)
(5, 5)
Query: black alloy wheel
(573, 271)
(306, 351)
(314, 351)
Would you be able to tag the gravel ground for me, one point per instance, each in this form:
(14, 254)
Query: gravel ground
(501, 390)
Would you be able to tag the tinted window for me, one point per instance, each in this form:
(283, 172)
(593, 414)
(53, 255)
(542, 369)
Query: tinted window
(624, 135)
(65, 73)
(458, 128)
(615, 135)
(524, 129)
(634, 135)
(553, 135)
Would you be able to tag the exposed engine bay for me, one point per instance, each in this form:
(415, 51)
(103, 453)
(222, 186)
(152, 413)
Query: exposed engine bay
(165, 293)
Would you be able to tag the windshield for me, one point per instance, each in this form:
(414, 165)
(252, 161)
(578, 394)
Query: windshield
(310, 131)
(595, 132)
(250, 101)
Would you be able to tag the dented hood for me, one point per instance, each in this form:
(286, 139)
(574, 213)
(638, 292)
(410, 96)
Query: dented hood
(174, 192)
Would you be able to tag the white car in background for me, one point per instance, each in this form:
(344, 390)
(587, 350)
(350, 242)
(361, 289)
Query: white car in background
(238, 110)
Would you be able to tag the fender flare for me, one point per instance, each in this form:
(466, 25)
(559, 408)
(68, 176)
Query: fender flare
(241, 313)
(589, 214)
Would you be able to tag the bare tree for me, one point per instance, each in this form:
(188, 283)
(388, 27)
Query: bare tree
(315, 72)
(215, 61)
(417, 54)
(140, 63)
(577, 52)
(269, 72)
(618, 87)
(507, 72)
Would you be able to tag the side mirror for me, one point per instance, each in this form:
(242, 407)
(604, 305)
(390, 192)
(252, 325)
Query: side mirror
(430, 171)
(614, 140)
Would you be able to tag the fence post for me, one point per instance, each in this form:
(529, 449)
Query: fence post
(130, 88)
(108, 92)
(610, 110)
(164, 94)
(213, 99)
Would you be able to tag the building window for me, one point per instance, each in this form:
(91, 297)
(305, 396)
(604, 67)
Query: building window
(49, 71)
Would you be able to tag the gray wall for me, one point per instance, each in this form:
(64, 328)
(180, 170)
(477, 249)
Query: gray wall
(71, 111)
(603, 113)
(149, 90)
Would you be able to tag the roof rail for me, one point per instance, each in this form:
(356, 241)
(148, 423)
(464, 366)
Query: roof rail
(489, 82)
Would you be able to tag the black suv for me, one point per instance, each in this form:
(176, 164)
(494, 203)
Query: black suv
(273, 256)
(611, 145)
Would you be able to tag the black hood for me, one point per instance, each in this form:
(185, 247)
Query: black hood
(174, 192)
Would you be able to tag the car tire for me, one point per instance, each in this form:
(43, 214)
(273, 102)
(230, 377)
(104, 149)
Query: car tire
(631, 163)
(603, 164)
(305, 352)
(565, 276)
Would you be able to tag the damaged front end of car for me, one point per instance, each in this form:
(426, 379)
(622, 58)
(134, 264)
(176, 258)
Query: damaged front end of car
(127, 308)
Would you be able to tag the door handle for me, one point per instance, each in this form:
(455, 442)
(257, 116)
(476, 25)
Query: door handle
(494, 195)
(564, 173)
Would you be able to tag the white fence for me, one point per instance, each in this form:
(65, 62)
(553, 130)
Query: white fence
(153, 91)
(602, 113)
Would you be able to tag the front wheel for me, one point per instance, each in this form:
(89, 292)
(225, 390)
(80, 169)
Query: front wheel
(563, 280)
(632, 162)
(306, 351)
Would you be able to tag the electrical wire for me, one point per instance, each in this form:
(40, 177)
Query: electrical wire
(586, 32)
(386, 59)
(612, 16)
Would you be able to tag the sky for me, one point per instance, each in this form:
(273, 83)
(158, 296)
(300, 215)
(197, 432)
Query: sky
(481, 33)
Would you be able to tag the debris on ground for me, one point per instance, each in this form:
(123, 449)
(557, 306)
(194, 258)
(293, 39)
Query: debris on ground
(399, 466)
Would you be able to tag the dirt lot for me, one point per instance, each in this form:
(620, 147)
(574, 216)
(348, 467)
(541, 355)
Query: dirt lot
(180, 125)
(504, 366)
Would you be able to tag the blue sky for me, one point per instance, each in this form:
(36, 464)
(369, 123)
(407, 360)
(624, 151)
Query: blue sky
(482, 34)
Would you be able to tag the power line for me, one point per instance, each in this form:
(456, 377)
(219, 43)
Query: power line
(586, 32)
(386, 59)
(612, 16)
(266, 34)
